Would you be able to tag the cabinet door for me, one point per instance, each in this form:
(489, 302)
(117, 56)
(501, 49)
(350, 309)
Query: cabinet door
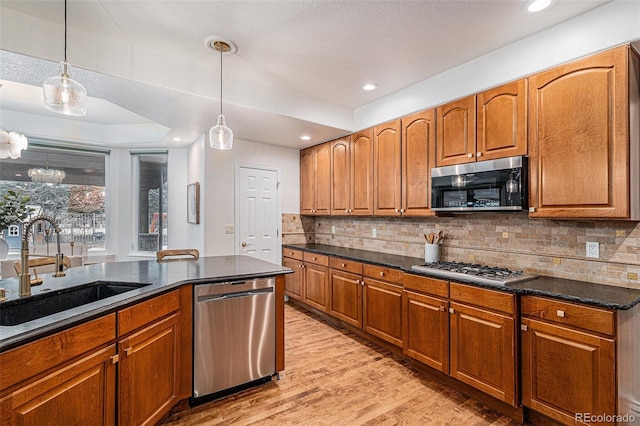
(456, 129)
(323, 179)
(149, 372)
(565, 372)
(426, 330)
(502, 121)
(340, 176)
(293, 282)
(382, 310)
(387, 174)
(307, 180)
(346, 297)
(418, 157)
(362, 173)
(316, 286)
(579, 138)
(82, 393)
(482, 346)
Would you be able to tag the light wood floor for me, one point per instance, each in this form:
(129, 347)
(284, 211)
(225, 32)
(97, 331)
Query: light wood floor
(334, 377)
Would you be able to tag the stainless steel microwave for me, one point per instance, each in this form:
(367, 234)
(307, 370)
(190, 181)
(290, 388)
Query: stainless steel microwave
(493, 185)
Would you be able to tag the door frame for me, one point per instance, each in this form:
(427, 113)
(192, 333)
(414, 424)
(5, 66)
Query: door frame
(238, 166)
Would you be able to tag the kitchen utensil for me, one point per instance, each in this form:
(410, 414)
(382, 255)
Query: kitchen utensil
(440, 237)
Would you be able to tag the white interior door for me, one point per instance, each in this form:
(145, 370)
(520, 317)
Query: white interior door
(257, 213)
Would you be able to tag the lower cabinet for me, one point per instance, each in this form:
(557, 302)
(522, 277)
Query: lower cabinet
(346, 297)
(316, 281)
(293, 283)
(483, 340)
(382, 304)
(568, 368)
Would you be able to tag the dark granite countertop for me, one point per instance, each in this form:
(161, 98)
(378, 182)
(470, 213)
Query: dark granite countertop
(162, 277)
(605, 296)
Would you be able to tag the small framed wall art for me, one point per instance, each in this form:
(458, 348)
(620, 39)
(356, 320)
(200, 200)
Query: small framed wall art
(193, 202)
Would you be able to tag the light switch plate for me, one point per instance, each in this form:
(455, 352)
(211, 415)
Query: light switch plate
(228, 229)
(374, 233)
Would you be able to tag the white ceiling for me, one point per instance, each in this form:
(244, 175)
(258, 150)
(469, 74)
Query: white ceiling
(321, 51)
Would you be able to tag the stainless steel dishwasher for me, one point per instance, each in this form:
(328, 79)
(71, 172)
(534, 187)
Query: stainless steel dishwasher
(234, 336)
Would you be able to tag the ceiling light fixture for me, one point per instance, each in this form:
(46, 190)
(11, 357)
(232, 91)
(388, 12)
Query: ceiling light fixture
(305, 138)
(62, 94)
(369, 87)
(220, 136)
(538, 5)
(46, 175)
(12, 144)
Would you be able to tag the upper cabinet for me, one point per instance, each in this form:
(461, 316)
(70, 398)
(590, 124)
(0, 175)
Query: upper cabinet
(352, 174)
(486, 126)
(315, 180)
(387, 173)
(418, 158)
(583, 138)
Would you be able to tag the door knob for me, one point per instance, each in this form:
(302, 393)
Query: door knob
(245, 244)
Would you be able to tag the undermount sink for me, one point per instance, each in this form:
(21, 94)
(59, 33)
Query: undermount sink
(18, 311)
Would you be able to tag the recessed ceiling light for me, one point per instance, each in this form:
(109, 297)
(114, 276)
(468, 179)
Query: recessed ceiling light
(538, 5)
(369, 87)
(177, 139)
(305, 138)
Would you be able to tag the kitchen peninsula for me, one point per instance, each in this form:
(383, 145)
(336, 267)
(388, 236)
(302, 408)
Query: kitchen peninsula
(70, 357)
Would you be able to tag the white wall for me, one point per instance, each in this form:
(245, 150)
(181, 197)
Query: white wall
(119, 203)
(606, 26)
(195, 173)
(219, 188)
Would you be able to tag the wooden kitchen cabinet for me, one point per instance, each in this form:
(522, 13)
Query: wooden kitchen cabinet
(483, 340)
(345, 291)
(382, 303)
(315, 180)
(486, 126)
(584, 136)
(387, 172)
(418, 158)
(316, 281)
(341, 176)
(568, 359)
(426, 321)
(362, 173)
(293, 283)
(66, 378)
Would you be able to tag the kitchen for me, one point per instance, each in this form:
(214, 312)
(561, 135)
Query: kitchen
(466, 236)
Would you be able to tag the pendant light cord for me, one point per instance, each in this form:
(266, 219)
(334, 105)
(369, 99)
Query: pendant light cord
(220, 80)
(65, 30)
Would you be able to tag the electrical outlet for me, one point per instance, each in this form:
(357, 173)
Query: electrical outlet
(374, 233)
(472, 257)
(333, 229)
(593, 249)
(505, 234)
(620, 233)
(557, 261)
(632, 276)
(228, 229)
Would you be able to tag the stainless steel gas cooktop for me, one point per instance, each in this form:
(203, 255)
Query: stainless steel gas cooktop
(474, 273)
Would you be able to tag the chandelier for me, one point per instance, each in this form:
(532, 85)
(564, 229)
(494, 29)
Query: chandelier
(46, 175)
(12, 144)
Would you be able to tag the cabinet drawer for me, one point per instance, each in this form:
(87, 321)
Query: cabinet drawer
(145, 312)
(346, 265)
(426, 285)
(318, 259)
(586, 317)
(491, 299)
(382, 273)
(37, 357)
(292, 253)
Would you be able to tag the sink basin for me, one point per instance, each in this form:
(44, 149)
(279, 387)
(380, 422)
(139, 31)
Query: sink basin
(14, 312)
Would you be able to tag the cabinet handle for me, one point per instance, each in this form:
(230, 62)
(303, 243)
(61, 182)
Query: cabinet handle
(350, 210)
(381, 274)
(313, 258)
(451, 311)
(128, 350)
(357, 281)
(115, 359)
(401, 210)
(560, 313)
(397, 210)
(478, 154)
(346, 210)
(524, 327)
(470, 155)
(343, 265)
(442, 308)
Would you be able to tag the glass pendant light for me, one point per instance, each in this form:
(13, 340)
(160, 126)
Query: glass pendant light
(220, 136)
(62, 94)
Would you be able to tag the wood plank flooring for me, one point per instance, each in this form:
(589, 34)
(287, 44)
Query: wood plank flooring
(334, 377)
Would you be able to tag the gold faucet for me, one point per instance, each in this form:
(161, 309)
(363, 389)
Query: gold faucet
(24, 275)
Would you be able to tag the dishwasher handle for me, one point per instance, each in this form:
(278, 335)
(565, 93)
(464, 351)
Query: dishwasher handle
(212, 297)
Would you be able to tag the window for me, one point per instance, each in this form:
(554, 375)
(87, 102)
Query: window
(77, 203)
(14, 230)
(151, 196)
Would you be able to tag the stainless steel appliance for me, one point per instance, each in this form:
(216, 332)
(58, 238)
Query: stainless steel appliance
(482, 186)
(473, 273)
(234, 336)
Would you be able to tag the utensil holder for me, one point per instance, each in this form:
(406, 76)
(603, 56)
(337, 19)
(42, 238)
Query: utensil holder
(431, 253)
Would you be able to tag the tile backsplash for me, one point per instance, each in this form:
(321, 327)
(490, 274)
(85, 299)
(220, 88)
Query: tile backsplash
(545, 247)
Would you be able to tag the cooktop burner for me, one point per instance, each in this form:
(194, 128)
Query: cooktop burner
(474, 273)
